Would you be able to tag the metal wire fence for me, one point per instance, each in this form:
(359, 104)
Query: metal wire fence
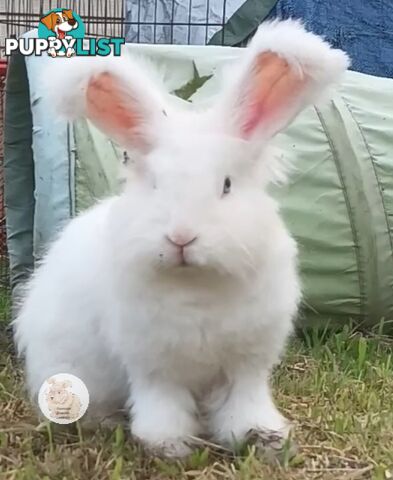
(147, 21)
(177, 21)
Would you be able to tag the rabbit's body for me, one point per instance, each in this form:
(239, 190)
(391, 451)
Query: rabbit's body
(190, 327)
(176, 298)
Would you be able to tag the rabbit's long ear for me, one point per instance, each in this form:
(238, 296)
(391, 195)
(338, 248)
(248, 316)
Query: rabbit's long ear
(123, 110)
(119, 95)
(284, 69)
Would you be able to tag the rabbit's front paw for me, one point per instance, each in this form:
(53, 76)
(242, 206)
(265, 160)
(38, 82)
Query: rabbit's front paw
(246, 406)
(170, 448)
(164, 417)
(272, 446)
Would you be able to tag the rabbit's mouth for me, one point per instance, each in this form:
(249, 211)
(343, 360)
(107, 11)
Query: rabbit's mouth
(179, 252)
(183, 262)
(180, 259)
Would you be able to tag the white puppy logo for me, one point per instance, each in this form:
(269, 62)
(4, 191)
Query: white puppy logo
(63, 398)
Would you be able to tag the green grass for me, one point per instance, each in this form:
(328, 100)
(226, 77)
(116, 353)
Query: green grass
(337, 388)
(4, 304)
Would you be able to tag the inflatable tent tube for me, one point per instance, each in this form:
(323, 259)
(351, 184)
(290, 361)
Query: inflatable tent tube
(338, 203)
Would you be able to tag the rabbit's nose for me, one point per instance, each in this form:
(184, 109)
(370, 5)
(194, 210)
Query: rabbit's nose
(181, 240)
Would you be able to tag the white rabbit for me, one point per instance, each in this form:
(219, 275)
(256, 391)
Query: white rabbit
(177, 296)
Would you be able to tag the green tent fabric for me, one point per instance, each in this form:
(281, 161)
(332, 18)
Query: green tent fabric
(338, 202)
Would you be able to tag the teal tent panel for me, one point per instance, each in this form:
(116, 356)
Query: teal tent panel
(18, 173)
(53, 162)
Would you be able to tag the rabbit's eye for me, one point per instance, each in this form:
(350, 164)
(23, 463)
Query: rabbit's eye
(227, 186)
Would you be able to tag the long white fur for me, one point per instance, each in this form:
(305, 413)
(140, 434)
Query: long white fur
(110, 302)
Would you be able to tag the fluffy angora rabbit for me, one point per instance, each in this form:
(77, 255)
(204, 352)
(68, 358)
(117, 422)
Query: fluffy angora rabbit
(175, 298)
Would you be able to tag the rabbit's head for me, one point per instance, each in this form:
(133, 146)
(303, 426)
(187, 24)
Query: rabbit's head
(198, 197)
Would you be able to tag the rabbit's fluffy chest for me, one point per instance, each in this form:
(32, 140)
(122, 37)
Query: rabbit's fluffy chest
(190, 336)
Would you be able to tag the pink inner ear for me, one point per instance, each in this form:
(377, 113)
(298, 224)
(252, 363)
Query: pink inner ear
(108, 107)
(273, 88)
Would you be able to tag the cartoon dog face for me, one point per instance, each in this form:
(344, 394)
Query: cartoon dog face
(60, 22)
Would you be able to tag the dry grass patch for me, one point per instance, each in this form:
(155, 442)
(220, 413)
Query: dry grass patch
(336, 387)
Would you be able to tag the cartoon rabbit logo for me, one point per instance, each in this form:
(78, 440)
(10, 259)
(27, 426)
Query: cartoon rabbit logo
(63, 398)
